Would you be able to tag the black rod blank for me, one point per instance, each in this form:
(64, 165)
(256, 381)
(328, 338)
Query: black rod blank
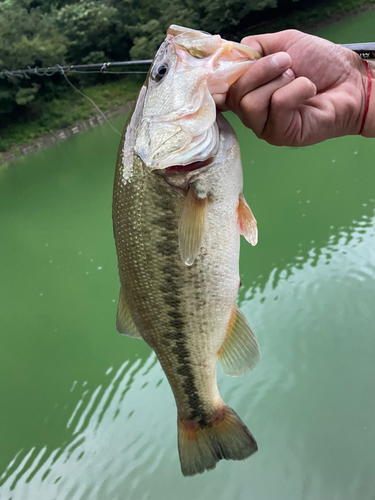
(365, 50)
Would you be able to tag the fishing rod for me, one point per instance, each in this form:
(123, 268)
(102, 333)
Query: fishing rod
(76, 68)
(365, 50)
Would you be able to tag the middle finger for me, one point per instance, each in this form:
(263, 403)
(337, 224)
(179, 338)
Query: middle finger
(261, 72)
(254, 107)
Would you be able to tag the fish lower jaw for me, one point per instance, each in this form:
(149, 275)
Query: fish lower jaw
(198, 148)
(179, 164)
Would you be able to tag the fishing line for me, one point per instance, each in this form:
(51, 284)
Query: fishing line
(79, 68)
(88, 98)
(111, 72)
(51, 70)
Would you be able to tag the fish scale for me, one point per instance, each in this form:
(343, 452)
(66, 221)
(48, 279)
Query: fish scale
(155, 278)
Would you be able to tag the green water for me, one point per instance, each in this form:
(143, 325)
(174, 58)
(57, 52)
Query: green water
(87, 414)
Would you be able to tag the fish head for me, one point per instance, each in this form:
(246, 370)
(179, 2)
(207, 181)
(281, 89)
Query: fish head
(178, 125)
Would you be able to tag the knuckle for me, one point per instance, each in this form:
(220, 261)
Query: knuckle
(250, 104)
(292, 34)
(308, 85)
(246, 122)
(233, 105)
(277, 100)
(274, 140)
(304, 80)
(246, 39)
(271, 136)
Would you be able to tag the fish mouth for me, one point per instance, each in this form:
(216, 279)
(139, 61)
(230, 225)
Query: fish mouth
(190, 167)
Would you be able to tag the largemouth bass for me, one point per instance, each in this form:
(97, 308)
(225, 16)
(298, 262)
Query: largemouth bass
(178, 212)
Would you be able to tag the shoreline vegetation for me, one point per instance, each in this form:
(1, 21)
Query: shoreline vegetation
(71, 114)
(50, 138)
(68, 116)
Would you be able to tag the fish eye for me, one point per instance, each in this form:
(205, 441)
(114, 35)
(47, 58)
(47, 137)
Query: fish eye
(159, 72)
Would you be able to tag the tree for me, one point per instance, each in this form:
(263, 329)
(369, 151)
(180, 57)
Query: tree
(28, 37)
(91, 27)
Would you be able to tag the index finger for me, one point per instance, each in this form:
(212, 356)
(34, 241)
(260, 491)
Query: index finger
(251, 41)
(271, 42)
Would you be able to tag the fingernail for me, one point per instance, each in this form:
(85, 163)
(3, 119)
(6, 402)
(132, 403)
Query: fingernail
(281, 60)
(289, 73)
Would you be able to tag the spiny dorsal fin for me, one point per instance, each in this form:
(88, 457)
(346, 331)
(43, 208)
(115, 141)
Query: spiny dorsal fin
(124, 322)
(240, 351)
(191, 227)
(247, 221)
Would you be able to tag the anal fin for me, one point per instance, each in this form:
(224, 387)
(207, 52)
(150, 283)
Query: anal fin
(191, 227)
(247, 221)
(240, 351)
(124, 322)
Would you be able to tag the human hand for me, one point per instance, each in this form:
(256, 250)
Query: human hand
(303, 90)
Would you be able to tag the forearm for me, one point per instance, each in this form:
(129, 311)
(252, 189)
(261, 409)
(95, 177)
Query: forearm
(369, 128)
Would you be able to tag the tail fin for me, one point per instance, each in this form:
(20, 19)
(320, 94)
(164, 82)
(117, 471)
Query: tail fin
(226, 438)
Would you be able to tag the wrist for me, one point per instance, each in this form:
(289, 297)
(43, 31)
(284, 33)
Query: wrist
(369, 125)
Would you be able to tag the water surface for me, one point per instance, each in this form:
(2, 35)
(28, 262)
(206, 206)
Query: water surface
(87, 414)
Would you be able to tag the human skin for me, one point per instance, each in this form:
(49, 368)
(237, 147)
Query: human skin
(303, 90)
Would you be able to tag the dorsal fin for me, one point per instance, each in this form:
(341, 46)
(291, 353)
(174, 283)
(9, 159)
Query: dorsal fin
(240, 351)
(191, 227)
(247, 221)
(124, 322)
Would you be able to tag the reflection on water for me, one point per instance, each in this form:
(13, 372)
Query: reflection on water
(96, 429)
(88, 413)
(309, 402)
(304, 201)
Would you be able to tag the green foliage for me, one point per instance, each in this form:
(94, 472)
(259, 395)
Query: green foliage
(219, 16)
(150, 36)
(66, 110)
(90, 27)
(23, 96)
(28, 37)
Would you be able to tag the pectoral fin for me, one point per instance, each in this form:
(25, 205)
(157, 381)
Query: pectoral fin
(240, 351)
(124, 322)
(191, 227)
(247, 221)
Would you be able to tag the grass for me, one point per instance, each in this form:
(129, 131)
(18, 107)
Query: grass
(67, 110)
